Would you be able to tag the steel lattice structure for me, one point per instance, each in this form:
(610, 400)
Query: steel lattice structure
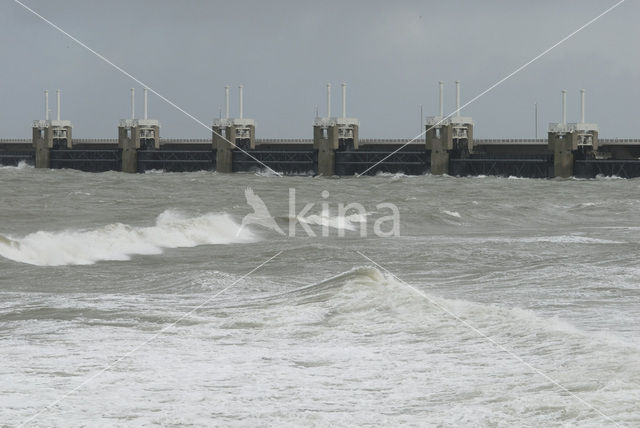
(14, 158)
(355, 162)
(619, 168)
(531, 168)
(87, 160)
(176, 160)
(284, 161)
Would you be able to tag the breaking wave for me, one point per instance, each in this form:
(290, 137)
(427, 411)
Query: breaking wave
(120, 241)
(368, 290)
(21, 165)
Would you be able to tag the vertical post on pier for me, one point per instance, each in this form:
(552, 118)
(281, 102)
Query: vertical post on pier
(564, 107)
(457, 98)
(240, 94)
(344, 100)
(226, 95)
(58, 97)
(133, 103)
(535, 106)
(328, 100)
(581, 105)
(146, 103)
(441, 84)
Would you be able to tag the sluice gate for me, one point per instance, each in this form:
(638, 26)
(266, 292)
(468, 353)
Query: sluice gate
(176, 160)
(629, 168)
(503, 166)
(99, 160)
(282, 161)
(13, 158)
(371, 162)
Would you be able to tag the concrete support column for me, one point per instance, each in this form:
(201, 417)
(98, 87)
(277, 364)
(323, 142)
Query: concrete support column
(156, 135)
(42, 140)
(224, 150)
(318, 135)
(326, 146)
(69, 138)
(440, 149)
(129, 142)
(439, 159)
(430, 135)
(356, 136)
(252, 136)
(563, 146)
(470, 138)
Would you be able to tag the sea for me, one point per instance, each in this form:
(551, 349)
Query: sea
(172, 299)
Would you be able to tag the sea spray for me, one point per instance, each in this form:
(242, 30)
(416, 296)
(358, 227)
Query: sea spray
(119, 241)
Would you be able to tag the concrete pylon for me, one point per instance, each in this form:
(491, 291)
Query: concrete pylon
(325, 140)
(441, 151)
(42, 139)
(224, 150)
(129, 143)
(563, 145)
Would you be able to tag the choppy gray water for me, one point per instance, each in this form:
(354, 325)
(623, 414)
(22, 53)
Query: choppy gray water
(94, 265)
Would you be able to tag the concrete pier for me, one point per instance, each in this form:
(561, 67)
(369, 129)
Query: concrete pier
(439, 142)
(572, 141)
(331, 134)
(325, 141)
(42, 144)
(230, 134)
(447, 137)
(563, 145)
(137, 134)
(50, 134)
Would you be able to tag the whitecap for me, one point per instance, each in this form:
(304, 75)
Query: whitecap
(119, 241)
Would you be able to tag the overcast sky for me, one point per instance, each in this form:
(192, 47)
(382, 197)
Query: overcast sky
(391, 54)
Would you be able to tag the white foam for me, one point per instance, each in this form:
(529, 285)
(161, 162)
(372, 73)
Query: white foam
(557, 239)
(455, 214)
(120, 241)
(609, 177)
(566, 239)
(21, 165)
(393, 175)
(266, 172)
(337, 222)
(496, 319)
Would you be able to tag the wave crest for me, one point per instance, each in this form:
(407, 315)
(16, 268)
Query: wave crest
(119, 241)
